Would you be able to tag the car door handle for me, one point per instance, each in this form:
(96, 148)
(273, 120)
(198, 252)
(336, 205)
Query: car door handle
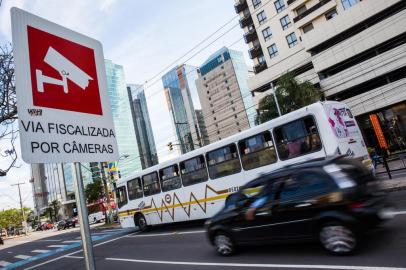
(265, 213)
(303, 204)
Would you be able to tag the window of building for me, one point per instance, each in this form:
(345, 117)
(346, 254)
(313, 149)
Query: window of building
(223, 161)
(204, 78)
(235, 116)
(229, 94)
(233, 109)
(214, 118)
(170, 178)
(261, 17)
(150, 183)
(237, 123)
(121, 195)
(279, 5)
(225, 81)
(208, 92)
(256, 3)
(209, 98)
(297, 138)
(331, 14)
(349, 3)
(218, 131)
(212, 112)
(193, 171)
(211, 105)
(232, 102)
(257, 151)
(228, 88)
(273, 50)
(301, 9)
(285, 22)
(224, 74)
(308, 27)
(291, 39)
(134, 189)
(222, 67)
(261, 59)
(267, 33)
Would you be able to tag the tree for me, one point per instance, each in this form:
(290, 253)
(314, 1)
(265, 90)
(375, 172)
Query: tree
(291, 95)
(8, 109)
(94, 191)
(54, 208)
(12, 217)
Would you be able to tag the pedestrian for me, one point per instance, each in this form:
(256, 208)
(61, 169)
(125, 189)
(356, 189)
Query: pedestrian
(1, 239)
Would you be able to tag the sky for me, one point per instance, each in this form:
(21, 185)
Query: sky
(146, 38)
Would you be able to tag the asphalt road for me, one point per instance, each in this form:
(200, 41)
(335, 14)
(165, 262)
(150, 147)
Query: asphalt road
(186, 247)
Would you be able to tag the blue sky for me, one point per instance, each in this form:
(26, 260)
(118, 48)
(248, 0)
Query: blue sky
(144, 37)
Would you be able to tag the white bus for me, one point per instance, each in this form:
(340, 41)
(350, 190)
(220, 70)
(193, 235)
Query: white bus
(196, 184)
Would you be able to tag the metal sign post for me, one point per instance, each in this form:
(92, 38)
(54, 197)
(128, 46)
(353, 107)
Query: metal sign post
(83, 219)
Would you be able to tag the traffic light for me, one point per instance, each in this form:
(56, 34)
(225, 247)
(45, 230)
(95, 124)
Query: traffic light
(170, 146)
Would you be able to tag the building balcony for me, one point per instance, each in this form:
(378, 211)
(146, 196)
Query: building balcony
(255, 51)
(250, 35)
(246, 20)
(260, 67)
(310, 10)
(240, 6)
(290, 2)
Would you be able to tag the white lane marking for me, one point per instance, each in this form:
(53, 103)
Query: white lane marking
(22, 257)
(74, 257)
(40, 251)
(72, 253)
(256, 265)
(71, 241)
(115, 230)
(164, 234)
(57, 246)
(4, 263)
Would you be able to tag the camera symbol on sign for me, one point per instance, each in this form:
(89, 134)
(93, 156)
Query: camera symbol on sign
(66, 68)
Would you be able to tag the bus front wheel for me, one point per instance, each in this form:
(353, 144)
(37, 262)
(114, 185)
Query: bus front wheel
(141, 222)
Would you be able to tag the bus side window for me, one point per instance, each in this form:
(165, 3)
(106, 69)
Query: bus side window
(223, 161)
(297, 138)
(134, 189)
(150, 183)
(121, 196)
(170, 178)
(257, 151)
(193, 171)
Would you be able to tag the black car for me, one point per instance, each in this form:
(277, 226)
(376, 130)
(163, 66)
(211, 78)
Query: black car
(66, 224)
(330, 200)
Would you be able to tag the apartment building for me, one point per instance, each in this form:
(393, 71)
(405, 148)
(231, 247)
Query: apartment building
(224, 95)
(354, 50)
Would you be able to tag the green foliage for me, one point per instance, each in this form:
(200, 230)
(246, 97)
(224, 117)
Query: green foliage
(12, 217)
(291, 95)
(93, 191)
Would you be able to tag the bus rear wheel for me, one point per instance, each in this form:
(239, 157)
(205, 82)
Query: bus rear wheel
(141, 222)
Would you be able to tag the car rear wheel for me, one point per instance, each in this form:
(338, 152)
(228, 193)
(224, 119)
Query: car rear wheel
(224, 244)
(337, 238)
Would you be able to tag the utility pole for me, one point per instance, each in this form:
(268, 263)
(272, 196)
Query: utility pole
(276, 99)
(21, 206)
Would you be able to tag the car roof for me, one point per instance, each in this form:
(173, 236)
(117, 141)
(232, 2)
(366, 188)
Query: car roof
(289, 169)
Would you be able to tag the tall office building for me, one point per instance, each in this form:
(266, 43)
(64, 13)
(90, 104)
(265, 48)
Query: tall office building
(202, 127)
(354, 50)
(226, 101)
(130, 160)
(182, 99)
(55, 182)
(143, 128)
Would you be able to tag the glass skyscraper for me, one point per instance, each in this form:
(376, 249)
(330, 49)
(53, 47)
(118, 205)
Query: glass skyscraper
(182, 99)
(143, 128)
(130, 161)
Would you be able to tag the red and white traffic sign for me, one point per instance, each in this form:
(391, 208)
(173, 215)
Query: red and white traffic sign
(63, 106)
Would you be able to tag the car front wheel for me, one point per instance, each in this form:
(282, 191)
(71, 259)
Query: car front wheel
(224, 244)
(337, 238)
(141, 222)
